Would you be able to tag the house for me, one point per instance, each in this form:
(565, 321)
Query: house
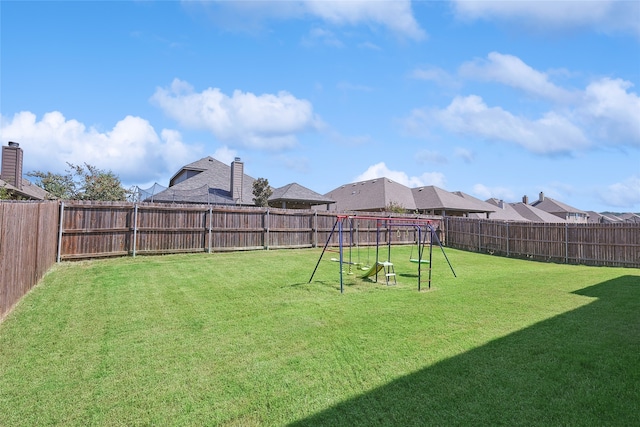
(374, 195)
(630, 217)
(383, 194)
(11, 176)
(533, 214)
(295, 196)
(559, 209)
(209, 181)
(503, 212)
(603, 218)
(518, 212)
(432, 200)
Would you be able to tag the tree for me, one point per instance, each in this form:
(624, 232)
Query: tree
(59, 186)
(85, 182)
(395, 207)
(4, 193)
(262, 191)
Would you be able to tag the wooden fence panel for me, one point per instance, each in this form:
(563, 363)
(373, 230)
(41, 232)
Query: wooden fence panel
(589, 244)
(27, 248)
(93, 229)
(290, 229)
(238, 229)
(168, 229)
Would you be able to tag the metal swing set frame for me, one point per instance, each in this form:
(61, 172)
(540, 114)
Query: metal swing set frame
(424, 228)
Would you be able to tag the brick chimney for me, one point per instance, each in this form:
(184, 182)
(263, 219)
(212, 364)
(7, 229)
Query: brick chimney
(525, 199)
(11, 171)
(237, 178)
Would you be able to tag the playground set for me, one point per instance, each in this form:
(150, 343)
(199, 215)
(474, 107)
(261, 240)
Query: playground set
(425, 235)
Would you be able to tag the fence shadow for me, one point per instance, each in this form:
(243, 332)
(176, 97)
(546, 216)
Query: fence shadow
(578, 368)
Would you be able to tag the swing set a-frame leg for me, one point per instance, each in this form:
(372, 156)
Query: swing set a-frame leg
(324, 249)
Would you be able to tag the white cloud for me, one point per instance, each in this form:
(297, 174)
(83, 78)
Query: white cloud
(606, 16)
(551, 133)
(625, 194)
(132, 149)
(321, 36)
(465, 154)
(611, 111)
(225, 154)
(264, 121)
(346, 86)
(396, 16)
(512, 71)
(430, 156)
(606, 112)
(434, 74)
(483, 192)
(380, 170)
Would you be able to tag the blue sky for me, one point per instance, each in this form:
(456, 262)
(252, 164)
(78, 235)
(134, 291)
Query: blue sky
(493, 98)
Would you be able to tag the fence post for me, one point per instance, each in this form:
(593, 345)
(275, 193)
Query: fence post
(60, 232)
(314, 243)
(508, 235)
(566, 243)
(210, 226)
(266, 230)
(135, 228)
(479, 235)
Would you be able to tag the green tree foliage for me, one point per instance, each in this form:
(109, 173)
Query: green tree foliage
(4, 193)
(394, 207)
(262, 191)
(84, 182)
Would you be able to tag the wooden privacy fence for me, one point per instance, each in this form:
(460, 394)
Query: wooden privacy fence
(589, 244)
(92, 229)
(33, 235)
(27, 247)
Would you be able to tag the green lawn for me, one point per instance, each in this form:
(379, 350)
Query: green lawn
(241, 339)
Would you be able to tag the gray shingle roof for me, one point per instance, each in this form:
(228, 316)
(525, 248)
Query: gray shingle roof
(29, 190)
(553, 206)
(205, 181)
(503, 212)
(436, 199)
(603, 218)
(629, 217)
(535, 214)
(297, 193)
(372, 195)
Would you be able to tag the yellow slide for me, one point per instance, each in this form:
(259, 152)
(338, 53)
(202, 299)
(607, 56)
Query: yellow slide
(375, 268)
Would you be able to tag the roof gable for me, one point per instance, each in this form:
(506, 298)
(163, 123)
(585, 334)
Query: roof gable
(553, 206)
(29, 190)
(534, 214)
(434, 198)
(297, 192)
(211, 182)
(502, 211)
(372, 195)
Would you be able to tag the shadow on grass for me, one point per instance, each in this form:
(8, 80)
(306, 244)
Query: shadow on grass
(578, 368)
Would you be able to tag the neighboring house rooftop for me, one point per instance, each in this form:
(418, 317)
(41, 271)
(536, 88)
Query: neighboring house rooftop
(209, 181)
(11, 175)
(503, 212)
(533, 214)
(436, 201)
(560, 209)
(630, 217)
(373, 195)
(295, 196)
(603, 218)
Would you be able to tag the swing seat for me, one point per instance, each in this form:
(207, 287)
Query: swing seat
(421, 261)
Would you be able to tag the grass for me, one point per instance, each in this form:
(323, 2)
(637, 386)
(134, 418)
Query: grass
(241, 339)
